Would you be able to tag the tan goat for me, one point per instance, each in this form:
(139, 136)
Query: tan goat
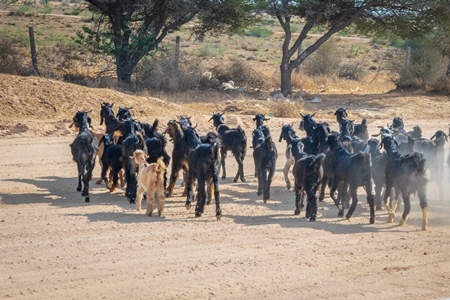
(150, 180)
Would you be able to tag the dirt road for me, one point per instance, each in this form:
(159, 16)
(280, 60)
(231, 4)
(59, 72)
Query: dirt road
(55, 246)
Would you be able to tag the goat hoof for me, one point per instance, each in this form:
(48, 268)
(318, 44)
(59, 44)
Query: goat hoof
(243, 179)
(341, 213)
(224, 176)
(132, 201)
(198, 214)
(297, 212)
(87, 200)
(308, 215)
(348, 216)
(218, 217)
(234, 180)
(372, 220)
(78, 189)
(188, 206)
(313, 218)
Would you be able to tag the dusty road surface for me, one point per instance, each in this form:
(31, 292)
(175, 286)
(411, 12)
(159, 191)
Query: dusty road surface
(55, 246)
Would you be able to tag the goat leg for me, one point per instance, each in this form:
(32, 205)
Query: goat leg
(407, 209)
(298, 201)
(354, 196)
(311, 207)
(150, 201)
(287, 166)
(217, 196)
(333, 197)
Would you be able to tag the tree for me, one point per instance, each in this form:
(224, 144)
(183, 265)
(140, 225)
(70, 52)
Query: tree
(333, 16)
(131, 29)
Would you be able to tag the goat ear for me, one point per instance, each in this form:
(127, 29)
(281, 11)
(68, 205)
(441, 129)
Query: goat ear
(130, 107)
(254, 119)
(302, 115)
(266, 119)
(112, 104)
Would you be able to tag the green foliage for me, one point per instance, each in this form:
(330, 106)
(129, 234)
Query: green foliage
(259, 32)
(24, 9)
(209, 50)
(12, 54)
(46, 10)
(426, 66)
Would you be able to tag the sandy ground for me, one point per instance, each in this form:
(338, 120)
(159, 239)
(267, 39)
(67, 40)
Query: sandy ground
(55, 246)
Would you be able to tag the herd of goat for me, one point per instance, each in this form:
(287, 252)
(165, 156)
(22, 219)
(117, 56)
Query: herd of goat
(134, 153)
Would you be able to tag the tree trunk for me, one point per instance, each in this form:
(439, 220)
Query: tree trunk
(124, 69)
(286, 82)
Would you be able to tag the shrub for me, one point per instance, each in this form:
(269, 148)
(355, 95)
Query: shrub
(426, 67)
(324, 61)
(160, 73)
(259, 32)
(241, 73)
(285, 109)
(13, 58)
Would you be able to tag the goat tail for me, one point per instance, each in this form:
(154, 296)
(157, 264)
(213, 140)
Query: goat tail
(364, 121)
(161, 165)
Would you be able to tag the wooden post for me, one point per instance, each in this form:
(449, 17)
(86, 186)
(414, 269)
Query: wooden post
(177, 54)
(34, 61)
(408, 60)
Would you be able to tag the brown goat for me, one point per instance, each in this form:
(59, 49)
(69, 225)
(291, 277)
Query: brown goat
(151, 181)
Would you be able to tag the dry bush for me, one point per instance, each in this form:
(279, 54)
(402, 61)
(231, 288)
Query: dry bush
(285, 109)
(241, 73)
(426, 69)
(71, 63)
(324, 61)
(161, 73)
(13, 57)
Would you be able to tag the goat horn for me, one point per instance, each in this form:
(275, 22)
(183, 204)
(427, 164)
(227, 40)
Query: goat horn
(433, 136)
(374, 135)
(313, 114)
(195, 126)
(302, 115)
(88, 111)
(266, 119)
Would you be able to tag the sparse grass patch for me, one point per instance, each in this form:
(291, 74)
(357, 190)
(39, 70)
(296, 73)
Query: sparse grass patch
(285, 109)
(209, 50)
(259, 32)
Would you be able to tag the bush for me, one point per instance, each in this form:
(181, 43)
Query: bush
(13, 58)
(160, 73)
(285, 109)
(241, 73)
(426, 67)
(324, 61)
(259, 32)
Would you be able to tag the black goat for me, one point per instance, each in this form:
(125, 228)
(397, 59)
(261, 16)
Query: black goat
(405, 173)
(259, 119)
(288, 134)
(265, 157)
(107, 115)
(307, 123)
(378, 162)
(156, 146)
(179, 155)
(359, 130)
(231, 139)
(203, 164)
(84, 150)
(308, 174)
(111, 161)
(131, 142)
(124, 113)
(433, 151)
(354, 171)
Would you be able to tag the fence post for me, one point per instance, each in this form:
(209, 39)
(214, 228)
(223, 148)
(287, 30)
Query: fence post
(408, 60)
(177, 54)
(34, 61)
